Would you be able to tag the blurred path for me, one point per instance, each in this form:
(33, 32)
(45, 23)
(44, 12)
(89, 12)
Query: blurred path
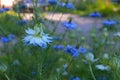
(84, 23)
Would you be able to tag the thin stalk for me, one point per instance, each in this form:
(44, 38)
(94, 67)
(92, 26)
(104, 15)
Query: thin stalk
(6, 76)
(91, 71)
(57, 24)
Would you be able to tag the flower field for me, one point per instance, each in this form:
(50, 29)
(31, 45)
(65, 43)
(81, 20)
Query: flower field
(39, 48)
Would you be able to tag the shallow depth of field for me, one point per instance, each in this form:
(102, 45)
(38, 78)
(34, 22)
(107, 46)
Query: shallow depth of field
(60, 40)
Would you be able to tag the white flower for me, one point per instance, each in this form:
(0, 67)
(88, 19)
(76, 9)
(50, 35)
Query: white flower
(36, 36)
(102, 67)
(117, 34)
(90, 57)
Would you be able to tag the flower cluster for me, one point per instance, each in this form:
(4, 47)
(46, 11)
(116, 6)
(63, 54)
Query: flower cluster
(58, 47)
(95, 14)
(52, 2)
(109, 22)
(22, 22)
(5, 39)
(2, 10)
(74, 51)
(68, 5)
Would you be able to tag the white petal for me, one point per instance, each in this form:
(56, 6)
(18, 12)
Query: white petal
(30, 31)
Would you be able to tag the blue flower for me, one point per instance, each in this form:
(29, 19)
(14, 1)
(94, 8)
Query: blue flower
(58, 47)
(74, 78)
(69, 25)
(4, 39)
(2, 10)
(7, 9)
(72, 51)
(95, 14)
(22, 22)
(11, 37)
(52, 2)
(82, 50)
(109, 22)
(70, 6)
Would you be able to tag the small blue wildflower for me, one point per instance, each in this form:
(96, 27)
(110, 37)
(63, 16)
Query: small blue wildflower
(82, 50)
(34, 73)
(70, 6)
(2, 10)
(11, 37)
(22, 22)
(69, 25)
(58, 47)
(74, 78)
(4, 39)
(52, 2)
(109, 22)
(7, 9)
(95, 14)
(72, 50)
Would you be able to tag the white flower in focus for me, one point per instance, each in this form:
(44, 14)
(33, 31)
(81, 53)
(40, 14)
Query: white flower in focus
(36, 36)
(90, 57)
(117, 34)
(102, 67)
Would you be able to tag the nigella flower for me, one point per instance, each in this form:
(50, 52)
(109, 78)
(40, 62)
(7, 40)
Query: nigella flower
(37, 37)
(69, 25)
(117, 34)
(82, 50)
(95, 14)
(70, 6)
(52, 2)
(109, 22)
(58, 47)
(72, 51)
(22, 22)
(90, 57)
(102, 67)
(4, 39)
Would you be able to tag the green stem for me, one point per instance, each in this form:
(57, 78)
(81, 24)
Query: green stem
(118, 75)
(6, 76)
(91, 71)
